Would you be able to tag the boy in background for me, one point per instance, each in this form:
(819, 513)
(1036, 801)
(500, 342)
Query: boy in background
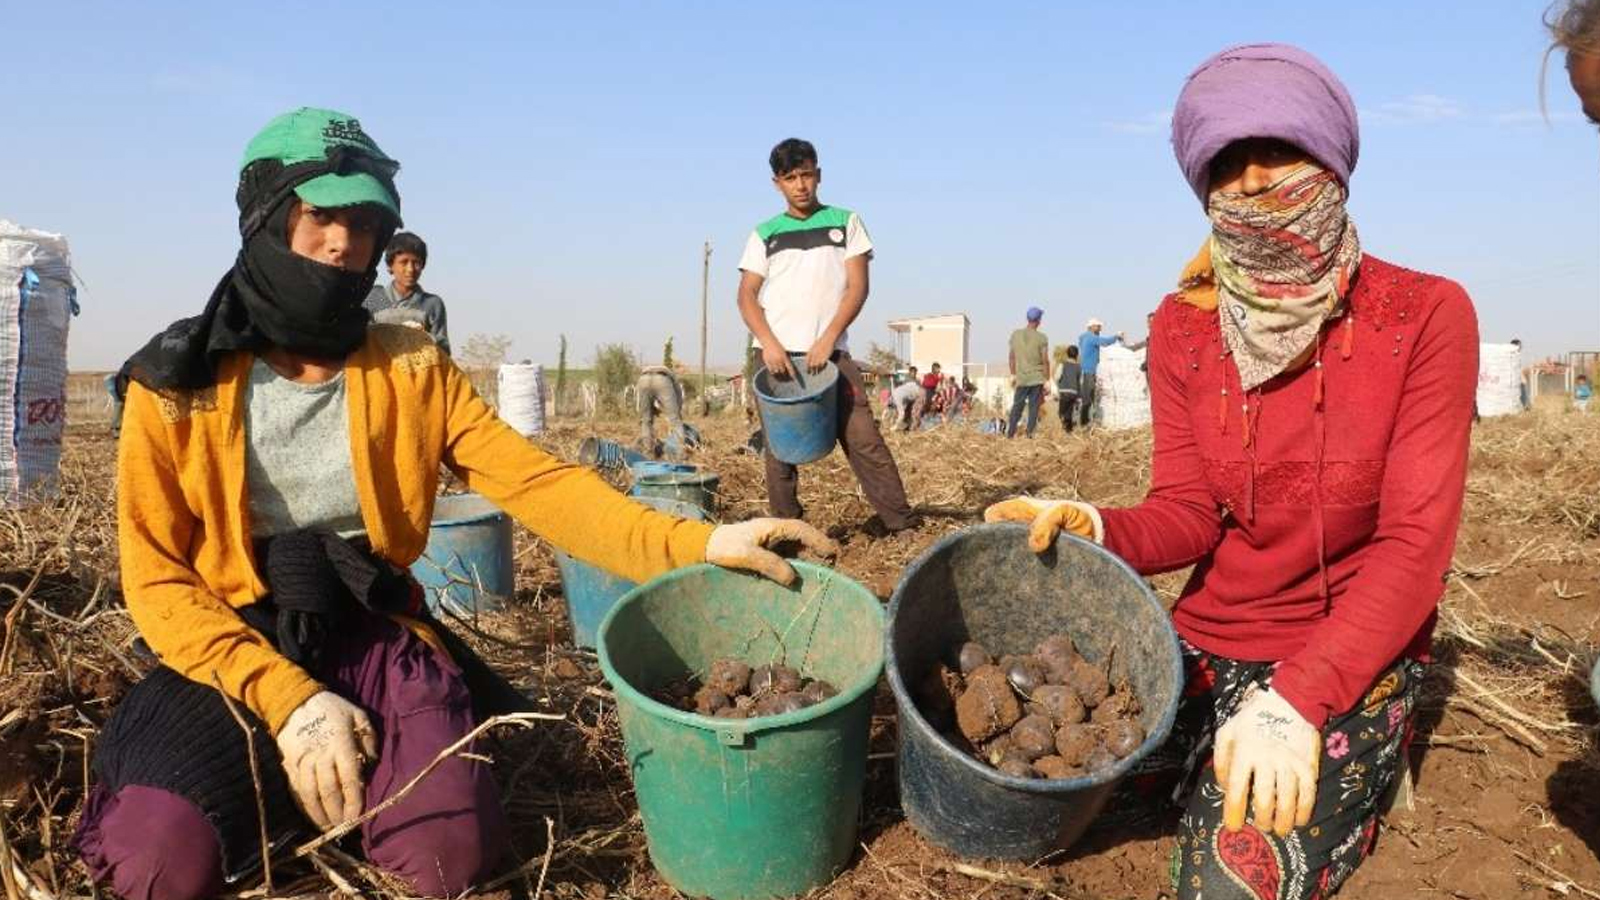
(804, 281)
(404, 302)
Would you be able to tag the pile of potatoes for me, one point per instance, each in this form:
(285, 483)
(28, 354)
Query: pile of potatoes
(733, 689)
(1050, 714)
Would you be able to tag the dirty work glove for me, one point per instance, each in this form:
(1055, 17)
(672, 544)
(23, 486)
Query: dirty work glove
(1267, 749)
(1047, 518)
(324, 744)
(776, 359)
(744, 546)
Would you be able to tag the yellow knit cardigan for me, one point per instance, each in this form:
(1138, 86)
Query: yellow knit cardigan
(184, 512)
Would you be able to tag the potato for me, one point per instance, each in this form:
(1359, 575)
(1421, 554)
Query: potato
(818, 691)
(1090, 683)
(1026, 674)
(708, 700)
(1060, 703)
(1123, 737)
(729, 676)
(971, 656)
(987, 707)
(1053, 766)
(1033, 736)
(1074, 743)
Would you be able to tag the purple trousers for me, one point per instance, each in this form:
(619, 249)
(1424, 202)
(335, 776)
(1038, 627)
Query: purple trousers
(447, 834)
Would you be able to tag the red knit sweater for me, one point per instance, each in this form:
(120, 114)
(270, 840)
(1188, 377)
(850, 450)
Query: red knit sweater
(1321, 509)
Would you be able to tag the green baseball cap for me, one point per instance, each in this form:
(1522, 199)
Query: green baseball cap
(316, 135)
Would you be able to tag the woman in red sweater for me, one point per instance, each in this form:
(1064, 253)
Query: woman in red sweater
(1312, 407)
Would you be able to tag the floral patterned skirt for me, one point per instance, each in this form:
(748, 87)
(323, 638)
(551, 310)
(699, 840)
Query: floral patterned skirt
(1363, 750)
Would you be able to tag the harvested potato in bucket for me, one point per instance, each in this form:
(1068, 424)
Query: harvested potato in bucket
(733, 689)
(1048, 714)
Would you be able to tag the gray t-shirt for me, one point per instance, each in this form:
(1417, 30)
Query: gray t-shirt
(298, 471)
(419, 308)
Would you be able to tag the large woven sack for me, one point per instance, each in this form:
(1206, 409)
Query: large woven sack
(1499, 379)
(521, 397)
(1122, 389)
(37, 300)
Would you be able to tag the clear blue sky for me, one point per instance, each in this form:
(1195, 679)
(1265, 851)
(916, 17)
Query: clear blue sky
(565, 162)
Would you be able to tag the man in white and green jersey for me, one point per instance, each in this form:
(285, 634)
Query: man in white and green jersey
(804, 281)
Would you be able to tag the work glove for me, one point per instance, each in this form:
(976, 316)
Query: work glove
(1267, 749)
(1048, 518)
(776, 359)
(324, 744)
(744, 546)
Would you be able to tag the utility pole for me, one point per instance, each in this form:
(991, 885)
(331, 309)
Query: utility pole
(705, 290)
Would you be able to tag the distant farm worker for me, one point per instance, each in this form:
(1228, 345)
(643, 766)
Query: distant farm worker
(1029, 360)
(947, 399)
(1320, 523)
(658, 390)
(1068, 378)
(404, 302)
(1581, 392)
(1089, 344)
(116, 387)
(908, 404)
(277, 473)
(930, 386)
(1575, 27)
(804, 281)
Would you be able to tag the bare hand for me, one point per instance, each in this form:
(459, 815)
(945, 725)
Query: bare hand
(776, 359)
(818, 355)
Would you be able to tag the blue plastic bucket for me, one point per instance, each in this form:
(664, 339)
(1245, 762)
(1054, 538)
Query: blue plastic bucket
(800, 415)
(650, 468)
(591, 591)
(469, 547)
(983, 584)
(605, 454)
(696, 487)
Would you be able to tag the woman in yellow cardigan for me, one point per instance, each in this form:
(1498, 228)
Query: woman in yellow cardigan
(278, 466)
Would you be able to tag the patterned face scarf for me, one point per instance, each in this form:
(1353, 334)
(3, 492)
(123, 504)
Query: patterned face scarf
(1279, 266)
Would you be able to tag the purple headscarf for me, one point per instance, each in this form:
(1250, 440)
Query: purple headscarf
(1264, 91)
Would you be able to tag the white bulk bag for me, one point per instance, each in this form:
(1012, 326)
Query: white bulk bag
(521, 397)
(37, 300)
(1499, 379)
(1122, 389)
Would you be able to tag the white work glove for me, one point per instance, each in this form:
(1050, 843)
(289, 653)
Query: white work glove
(324, 743)
(744, 546)
(1048, 518)
(1267, 749)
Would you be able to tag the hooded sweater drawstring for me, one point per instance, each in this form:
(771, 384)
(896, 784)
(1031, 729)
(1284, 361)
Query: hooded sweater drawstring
(1250, 447)
(1322, 446)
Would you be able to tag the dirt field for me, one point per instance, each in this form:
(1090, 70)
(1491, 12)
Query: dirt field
(1506, 772)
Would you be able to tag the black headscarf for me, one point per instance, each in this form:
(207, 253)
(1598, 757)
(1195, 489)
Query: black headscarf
(271, 296)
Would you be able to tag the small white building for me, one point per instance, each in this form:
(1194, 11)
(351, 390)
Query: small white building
(925, 340)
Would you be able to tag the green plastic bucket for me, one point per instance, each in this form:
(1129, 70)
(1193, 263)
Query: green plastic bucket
(746, 808)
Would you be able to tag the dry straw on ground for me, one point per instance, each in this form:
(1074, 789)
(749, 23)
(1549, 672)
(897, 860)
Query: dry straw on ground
(1508, 698)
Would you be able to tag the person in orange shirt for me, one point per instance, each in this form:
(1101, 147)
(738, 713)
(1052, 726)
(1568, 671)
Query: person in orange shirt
(277, 471)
